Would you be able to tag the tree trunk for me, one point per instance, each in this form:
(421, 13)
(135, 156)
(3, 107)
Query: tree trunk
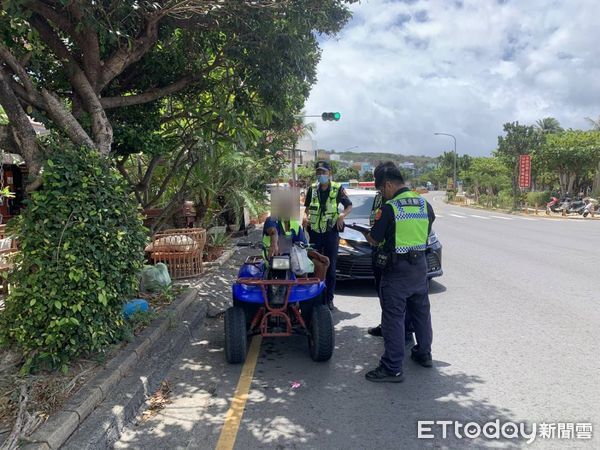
(596, 186)
(21, 129)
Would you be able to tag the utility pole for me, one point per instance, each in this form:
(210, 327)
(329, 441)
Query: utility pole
(454, 171)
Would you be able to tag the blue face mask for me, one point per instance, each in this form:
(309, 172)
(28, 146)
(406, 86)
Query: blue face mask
(322, 179)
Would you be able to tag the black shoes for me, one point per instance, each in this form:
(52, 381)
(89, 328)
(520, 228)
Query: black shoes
(381, 375)
(423, 360)
(375, 331)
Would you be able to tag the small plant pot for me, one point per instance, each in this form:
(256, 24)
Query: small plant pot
(212, 253)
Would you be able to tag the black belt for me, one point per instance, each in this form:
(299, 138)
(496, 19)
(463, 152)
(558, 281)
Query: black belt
(406, 256)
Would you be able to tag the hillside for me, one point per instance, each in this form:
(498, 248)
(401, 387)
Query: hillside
(374, 158)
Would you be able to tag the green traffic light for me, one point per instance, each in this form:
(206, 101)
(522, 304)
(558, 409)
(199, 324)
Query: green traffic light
(337, 116)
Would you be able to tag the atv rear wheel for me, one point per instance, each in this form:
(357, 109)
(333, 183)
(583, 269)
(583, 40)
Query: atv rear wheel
(321, 338)
(236, 337)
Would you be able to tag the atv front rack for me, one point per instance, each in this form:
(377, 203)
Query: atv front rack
(268, 311)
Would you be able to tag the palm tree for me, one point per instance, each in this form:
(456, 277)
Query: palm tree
(596, 127)
(594, 123)
(548, 125)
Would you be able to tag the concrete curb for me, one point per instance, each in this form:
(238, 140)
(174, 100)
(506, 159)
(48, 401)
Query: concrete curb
(542, 214)
(226, 256)
(57, 429)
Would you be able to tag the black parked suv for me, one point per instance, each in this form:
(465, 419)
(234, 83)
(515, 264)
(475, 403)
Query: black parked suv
(354, 256)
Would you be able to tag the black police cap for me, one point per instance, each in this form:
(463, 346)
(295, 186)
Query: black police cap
(323, 165)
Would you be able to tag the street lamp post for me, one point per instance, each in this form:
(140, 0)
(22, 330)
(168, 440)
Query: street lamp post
(453, 137)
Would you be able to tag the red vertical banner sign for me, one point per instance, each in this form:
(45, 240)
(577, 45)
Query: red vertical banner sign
(525, 171)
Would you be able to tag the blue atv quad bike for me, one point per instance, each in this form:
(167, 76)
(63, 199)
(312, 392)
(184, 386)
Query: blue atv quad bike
(271, 301)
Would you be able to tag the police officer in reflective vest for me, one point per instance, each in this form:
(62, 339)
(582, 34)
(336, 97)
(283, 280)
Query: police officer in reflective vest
(403, 229)
(324, 221)
(375, 215)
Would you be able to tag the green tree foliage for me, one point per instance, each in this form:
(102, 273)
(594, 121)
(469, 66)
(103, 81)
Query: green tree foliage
(573, 156)
(486, 176)
(95, 67)
(81, 247)
(367, 176)
(346, 174)
(518, 140)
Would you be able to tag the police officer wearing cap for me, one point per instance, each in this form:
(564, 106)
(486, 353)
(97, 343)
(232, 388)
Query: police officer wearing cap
(400, 235)
(374, 217)
(324, 221)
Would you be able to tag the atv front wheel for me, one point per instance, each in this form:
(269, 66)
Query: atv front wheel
(321, 338)
(236, 338)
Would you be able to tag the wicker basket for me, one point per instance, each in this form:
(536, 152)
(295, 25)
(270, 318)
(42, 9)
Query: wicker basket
(180, 249)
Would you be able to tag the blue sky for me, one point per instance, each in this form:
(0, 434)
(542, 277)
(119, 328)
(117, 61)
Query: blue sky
(402, 70)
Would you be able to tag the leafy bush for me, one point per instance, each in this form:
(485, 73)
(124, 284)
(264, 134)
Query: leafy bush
(505, 199)
(487, 200)
(81, 240)
(538, 198)
(219, 239)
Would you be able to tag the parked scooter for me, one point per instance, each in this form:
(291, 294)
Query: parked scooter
(553, 205)
(591, 205)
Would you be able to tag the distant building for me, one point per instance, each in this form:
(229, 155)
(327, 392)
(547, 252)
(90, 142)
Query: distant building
(323, 155)
(306, 151)
(407, 165)
(334, 157)
(362, 167)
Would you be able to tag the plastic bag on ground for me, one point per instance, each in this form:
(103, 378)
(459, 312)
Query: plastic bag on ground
(155, 278)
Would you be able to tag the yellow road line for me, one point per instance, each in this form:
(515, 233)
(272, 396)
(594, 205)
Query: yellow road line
(238, 403)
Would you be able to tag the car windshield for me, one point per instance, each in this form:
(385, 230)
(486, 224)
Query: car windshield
(361, 205)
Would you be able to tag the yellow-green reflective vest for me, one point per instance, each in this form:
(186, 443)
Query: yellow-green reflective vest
(412, 222)
(294, 227)
(377, 203)
(323, 219)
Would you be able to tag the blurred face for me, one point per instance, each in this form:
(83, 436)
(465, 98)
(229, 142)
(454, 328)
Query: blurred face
(323, 176)
(284, 204)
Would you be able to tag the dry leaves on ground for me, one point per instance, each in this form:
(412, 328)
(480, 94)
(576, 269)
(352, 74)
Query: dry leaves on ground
(158, 401)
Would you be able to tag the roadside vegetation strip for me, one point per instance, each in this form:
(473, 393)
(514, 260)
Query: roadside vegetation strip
(238, 402)
(57, 429)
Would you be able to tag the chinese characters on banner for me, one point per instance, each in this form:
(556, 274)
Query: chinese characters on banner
(525, 171)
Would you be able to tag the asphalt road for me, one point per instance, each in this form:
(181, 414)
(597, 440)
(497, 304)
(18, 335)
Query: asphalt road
(516, 327)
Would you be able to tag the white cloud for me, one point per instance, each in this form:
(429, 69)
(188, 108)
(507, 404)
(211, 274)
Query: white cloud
(402, 70)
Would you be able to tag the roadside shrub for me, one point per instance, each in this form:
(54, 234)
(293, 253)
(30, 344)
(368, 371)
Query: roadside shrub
(81, 243)
(487, 200)
(505, 199)
(538, 198)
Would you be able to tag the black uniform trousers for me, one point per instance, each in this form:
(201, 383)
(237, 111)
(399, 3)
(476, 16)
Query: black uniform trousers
(327, 244)
(404, 287)
(408, 326)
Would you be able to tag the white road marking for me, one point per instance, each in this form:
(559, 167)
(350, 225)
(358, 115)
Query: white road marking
(526, 218)
(503, 218)
(456, 215)
(438, 215)
(479, 217)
